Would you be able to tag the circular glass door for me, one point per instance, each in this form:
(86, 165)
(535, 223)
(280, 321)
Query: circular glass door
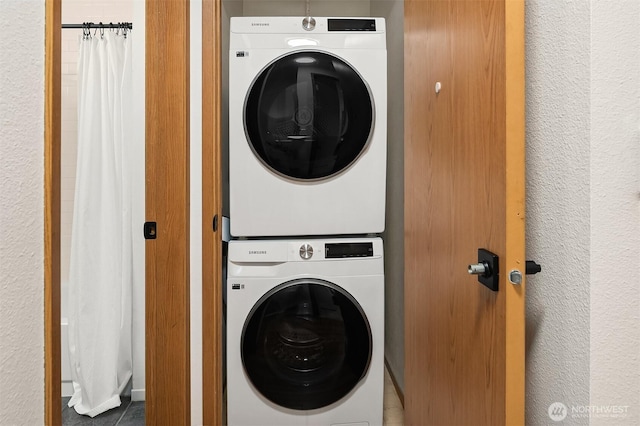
(308, 115)
(306, 344)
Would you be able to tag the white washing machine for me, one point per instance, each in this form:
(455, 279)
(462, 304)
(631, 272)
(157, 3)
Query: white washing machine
(305, 332)
(307, 126)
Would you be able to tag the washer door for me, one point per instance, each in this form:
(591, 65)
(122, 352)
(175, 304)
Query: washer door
(308, 115)
(306, 344)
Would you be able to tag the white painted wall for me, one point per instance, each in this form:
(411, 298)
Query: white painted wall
(583, 159)
(21, 212)
(615, 210)
(558, 216)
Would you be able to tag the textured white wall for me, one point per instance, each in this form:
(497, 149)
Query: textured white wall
(583, 183)
(615, 210)
(558, 216)
(21, 212)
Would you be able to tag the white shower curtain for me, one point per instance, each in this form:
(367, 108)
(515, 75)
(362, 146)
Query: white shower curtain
(100, 275)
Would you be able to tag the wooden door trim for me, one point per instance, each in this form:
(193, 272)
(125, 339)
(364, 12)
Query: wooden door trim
(211, 206)
(52, 368)
(515, 211)
(167, 352)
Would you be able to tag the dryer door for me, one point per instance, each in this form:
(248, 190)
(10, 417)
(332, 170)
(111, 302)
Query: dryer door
(306, 344)
(308, 115)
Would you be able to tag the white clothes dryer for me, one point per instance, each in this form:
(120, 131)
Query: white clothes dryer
(305, 332)
(307, 126)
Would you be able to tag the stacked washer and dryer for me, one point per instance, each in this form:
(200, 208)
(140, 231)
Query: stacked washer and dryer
(307, 173)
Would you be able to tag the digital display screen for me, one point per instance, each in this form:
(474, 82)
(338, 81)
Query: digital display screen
(341, 250)
(352, 25)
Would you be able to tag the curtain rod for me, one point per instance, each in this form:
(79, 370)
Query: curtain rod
(91, 25)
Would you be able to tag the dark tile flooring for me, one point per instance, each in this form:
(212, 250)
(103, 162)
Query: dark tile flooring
(129, 413)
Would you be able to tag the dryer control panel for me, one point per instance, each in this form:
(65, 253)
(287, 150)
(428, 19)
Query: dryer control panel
(342, 250)
(341, 24)
(271, 252)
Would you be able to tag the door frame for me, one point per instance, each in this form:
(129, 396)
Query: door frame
(167, 192)
(515, 122)
(212, 392)
(165, 16)
(52, 138)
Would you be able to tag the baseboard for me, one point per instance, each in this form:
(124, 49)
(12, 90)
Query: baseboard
(137, 394)
(395, 382)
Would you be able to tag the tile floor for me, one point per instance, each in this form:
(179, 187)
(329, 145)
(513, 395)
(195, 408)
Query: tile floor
(393, 414)
(129, 413)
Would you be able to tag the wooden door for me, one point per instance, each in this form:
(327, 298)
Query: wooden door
(168, 385)
(464, 190)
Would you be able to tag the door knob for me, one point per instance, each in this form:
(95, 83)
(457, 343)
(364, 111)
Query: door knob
(478, 268)
(486, 269)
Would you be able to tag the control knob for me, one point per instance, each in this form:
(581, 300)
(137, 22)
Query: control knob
(306, 251)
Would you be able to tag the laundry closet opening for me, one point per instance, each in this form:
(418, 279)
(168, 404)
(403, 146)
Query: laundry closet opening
(393, 13)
